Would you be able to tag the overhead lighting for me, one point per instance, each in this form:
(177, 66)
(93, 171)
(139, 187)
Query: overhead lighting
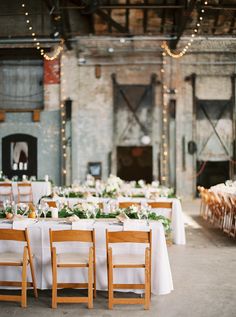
(145, 140)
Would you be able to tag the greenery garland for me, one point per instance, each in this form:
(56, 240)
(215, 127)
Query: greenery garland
(67, 212)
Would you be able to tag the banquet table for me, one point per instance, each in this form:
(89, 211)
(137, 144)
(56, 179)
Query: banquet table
(39, 189)
(177, 219)
(39, 238)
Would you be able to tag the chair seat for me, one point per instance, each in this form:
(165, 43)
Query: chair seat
(72, 258)
(8, 257)
(128, 259)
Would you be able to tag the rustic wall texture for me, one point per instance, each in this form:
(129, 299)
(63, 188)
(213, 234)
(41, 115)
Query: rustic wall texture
(92, 130)
(93, 117)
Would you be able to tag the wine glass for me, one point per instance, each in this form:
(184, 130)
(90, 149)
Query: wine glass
(59, 204)
(94, 212)
(25, 209)
(88, 212)
(6, 203)
(39, 211)
(144, 211)
(139, 213)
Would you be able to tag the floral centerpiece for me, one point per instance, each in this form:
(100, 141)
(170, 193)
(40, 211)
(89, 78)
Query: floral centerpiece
(113, 187)
(140, 184)
(90, 181)
(86, 209)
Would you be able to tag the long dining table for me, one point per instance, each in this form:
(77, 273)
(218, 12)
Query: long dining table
(176, 214)
(161, 276)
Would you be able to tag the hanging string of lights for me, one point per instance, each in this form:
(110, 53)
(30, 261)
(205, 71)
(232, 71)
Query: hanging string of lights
(165, 125)
(57, 50)
(174, 54)
(63, 123)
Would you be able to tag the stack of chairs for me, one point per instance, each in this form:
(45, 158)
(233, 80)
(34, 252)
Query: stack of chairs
(219, 209)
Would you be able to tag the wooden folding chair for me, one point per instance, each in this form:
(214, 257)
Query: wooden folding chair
(73, 260)
(18, 259)
(129, 261)
(24, 192)
(162, 205)
(126, 204)
(6, 192)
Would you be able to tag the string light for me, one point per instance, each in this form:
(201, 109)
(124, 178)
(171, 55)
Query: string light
(175, 54)
(165, 90)
(57, 50)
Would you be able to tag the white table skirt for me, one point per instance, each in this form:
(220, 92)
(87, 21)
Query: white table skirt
(177, 219)
(39, 236)
(39, 189)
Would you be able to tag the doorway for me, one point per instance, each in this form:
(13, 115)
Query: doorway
(134, 163)
(19, 155)
(213, 173)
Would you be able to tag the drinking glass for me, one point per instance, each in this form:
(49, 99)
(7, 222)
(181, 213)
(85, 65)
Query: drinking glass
(59, 205)
(39, 211)
(25, 209)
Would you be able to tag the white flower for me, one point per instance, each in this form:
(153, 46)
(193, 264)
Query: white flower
(89, 206)
(134, 209)
(141, 183)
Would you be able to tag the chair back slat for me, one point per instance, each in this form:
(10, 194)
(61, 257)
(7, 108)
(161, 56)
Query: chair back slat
(24, 184)
(12, 235)
(128, 236)
(161, 204)
(71, 235)
(5, 185)
(127, 204)
(25, 194)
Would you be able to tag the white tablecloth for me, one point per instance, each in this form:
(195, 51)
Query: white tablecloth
(39, 189)
(177, 219)
(39, 236)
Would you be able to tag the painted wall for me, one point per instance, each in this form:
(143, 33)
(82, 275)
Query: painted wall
(46, 131)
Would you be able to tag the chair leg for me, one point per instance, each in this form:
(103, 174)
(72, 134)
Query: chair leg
(33, 279)
(24, 280)
(110, 280)
(54, 281)
(90, 279)
(94, 282)
(147, 280)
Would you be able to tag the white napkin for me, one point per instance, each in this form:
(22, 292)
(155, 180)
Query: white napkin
(122, 217)
(73, 218)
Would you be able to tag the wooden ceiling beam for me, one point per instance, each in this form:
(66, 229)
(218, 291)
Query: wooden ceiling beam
(94, 8)
(231, 28)
(127, 16)
(145, 17)
(163, 20)
(60, 18)
(182, 22)
(110, 21)
(219, 7)
(66, 28)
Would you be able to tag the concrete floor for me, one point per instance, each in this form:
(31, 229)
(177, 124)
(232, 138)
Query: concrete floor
(204, 274)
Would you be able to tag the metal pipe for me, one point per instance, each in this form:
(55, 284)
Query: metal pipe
(208, 63)
(126, 6)
(27, 40)
(154, 38)
(126, 38)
